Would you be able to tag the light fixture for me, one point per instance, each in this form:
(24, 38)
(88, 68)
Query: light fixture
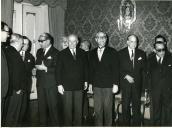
(127, 15)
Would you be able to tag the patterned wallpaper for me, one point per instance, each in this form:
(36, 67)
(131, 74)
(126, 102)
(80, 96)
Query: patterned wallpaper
(86, 17)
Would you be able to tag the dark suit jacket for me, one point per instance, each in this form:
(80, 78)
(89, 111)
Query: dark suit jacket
(104, 73)
(160, 76)
(126, 67)
(47, 79)
(72, 73)
(4, 74)
(17, 72)
(29, 62)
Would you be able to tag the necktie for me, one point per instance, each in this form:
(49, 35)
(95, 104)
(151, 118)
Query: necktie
(74, 54)
(22, 54)
(132, 57)
(100, 54)
(159, 61)
(43, 52)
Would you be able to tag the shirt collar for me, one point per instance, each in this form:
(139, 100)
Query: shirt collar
(130, 50)
(46, 50)
(157, 57)
(72, 49)
(22, 52)
(101, 48)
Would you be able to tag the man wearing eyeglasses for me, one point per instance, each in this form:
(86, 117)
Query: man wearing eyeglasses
(160, 77)
(4, 68)
(46, 62)
(104, 79)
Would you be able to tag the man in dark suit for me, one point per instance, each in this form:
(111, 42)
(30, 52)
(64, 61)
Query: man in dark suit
(17, 78)
(132, 67)
(46, 62)
(104, 77)
(71, 78)
(29, 62)
(85, 45)
(160, 76)
(4, 69)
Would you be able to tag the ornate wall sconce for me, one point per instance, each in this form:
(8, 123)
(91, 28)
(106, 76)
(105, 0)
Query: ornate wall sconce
(127, 15)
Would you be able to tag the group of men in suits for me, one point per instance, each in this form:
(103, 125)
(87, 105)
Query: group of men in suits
(156, 71)
(160, 81)
(63, 76)
(17, 77)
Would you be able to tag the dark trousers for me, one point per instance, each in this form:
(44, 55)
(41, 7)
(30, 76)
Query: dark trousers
(48, 106)
(103, 106)
(131, 96)
(14, 104)
(73, 108)
(23, 115)
(3, 109)
(85, 104)
(161, 108)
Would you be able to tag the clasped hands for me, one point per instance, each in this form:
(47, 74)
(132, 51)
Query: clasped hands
(42, 67)
(61, 88)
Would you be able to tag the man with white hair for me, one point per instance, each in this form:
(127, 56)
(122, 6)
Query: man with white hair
(72, 79)
(17, 78)
(104, 78)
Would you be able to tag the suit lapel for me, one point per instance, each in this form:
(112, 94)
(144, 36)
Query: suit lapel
(136, 56)
(154, 61)
(69, 53)
(96, 55)
(128, 55)
(104, 53)
(26, 57)
(77, 53)
(164, 61)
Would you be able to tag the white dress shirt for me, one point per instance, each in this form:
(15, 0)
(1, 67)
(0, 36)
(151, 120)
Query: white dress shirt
(22, 53)
(157, 58)
(73, 51)
(130, 52)
(100, 52)
(46, 50)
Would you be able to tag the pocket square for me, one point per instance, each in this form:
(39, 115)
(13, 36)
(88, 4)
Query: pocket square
(49, 57)
(139, 58)
(169, 65)
(28, 60)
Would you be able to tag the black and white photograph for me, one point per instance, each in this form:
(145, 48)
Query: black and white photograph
(86, 63)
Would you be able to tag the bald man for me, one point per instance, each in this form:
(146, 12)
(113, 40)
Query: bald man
(104, 78)
(132, 66)
(64, 42)
(17, 83)
(72, 80)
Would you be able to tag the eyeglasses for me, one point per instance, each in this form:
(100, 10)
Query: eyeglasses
(41, 41)
(5, 31)
(160, 50)
(101, 37)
